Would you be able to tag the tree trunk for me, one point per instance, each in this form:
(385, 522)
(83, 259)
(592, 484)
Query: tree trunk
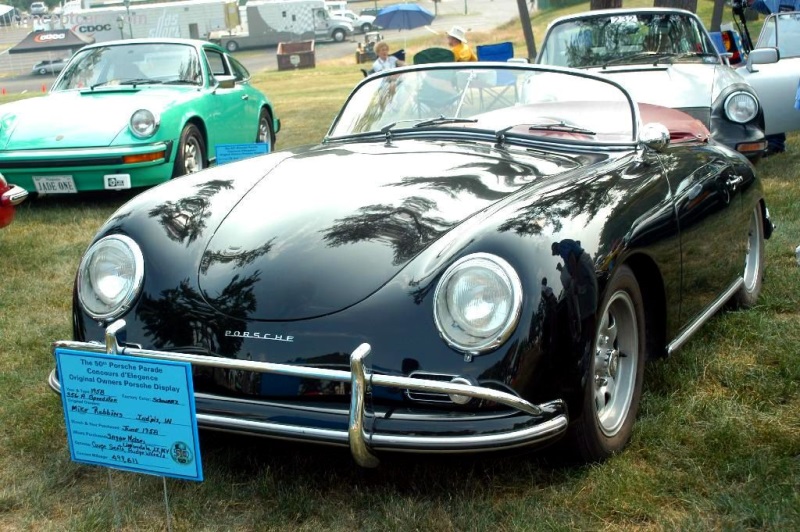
(688, 5)
(527, 29)
(604, 4)
(716, 16)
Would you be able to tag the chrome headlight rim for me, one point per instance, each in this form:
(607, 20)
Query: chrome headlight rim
(144, 116)
(731, 115)
(134, 285)
(514, 286)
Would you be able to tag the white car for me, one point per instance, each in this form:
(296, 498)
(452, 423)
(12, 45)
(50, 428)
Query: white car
(776, 84)
(361, 23)
(49, 66)
(38, 8)
(664, 57)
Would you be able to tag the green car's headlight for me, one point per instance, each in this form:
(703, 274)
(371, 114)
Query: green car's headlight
(110, 277)
(741, 107)
(477, 303)
(144, 123)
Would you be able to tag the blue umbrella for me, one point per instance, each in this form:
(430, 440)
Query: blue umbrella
(403, 17)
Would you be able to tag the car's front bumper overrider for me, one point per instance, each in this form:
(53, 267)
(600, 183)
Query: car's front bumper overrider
(528, 424)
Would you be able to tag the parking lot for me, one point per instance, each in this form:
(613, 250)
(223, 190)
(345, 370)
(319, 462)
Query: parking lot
(473, 15)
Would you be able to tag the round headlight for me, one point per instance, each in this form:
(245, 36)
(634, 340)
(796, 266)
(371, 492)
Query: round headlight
(143, 123)
(110, 277)
(741, 107)
(477, 303)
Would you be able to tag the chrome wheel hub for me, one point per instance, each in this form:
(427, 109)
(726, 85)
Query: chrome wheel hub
(616, 358)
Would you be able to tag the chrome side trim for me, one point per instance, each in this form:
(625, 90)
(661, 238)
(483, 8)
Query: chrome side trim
(692, 328)
(356, 436)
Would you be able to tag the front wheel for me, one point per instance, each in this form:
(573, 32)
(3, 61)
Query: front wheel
(753, 275)
(366, 27)
(191, 156)
(613, 378)
(232, 46)
(338, 35)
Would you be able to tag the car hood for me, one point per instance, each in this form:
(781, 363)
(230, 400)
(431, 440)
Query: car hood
(324, 230)
(677, 86)
(75, 119)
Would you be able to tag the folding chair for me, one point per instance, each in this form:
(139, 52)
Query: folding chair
(434, 55)
(506, 82)
(502, 51)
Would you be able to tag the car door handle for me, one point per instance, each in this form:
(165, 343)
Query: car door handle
(245, 97)
(734, 181)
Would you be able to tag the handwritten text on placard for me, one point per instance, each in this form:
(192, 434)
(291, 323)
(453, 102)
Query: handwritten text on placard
(130, 413)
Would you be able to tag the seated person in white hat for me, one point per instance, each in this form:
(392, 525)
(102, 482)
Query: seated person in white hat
(457, 40)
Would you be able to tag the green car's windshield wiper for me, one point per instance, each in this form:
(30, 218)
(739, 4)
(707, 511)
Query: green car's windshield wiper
(560, 126)
(445, 120)
(178, 81)
(140, 81)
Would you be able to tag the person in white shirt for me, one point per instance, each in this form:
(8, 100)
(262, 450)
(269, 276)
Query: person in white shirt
(384, 60)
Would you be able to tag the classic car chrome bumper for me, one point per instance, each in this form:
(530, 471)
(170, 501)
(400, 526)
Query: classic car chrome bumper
(58, 159)
(537, 423)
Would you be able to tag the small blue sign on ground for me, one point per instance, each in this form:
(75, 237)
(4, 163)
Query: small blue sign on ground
(227, 153)
(130, 413)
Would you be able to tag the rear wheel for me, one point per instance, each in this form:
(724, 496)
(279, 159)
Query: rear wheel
(231, 46)
(614, 378)
(265, 133)
(753, 275)
(191, 156)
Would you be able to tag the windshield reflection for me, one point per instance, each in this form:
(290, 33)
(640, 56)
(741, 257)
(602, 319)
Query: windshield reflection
(520, 100)
(132, 64)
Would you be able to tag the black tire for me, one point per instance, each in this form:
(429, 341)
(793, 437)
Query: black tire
(232, 46)
(366, 27)
(338, 35)
(615, 372)
(191, 155)
(42, 71)
(753, 273)
(265, 132)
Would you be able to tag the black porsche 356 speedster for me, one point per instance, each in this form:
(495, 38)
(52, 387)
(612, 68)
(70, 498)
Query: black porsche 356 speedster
(476, 257)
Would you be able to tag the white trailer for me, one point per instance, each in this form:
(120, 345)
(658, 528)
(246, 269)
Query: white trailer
(269, 22)
(195, 19)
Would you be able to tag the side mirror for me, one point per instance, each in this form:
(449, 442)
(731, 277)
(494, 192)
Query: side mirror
(225, 82)
(762, 56)
(655, 136)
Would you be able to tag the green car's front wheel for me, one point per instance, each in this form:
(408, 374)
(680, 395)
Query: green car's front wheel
(191, 156)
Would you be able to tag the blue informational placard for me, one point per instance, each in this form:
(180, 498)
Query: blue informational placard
(227, 153)
(130, 413)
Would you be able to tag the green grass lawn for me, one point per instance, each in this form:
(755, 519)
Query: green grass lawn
(716, 445)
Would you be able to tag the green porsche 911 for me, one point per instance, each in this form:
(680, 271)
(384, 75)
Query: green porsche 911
(134, 113)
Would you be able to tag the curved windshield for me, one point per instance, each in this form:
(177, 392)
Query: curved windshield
(132, 64)
(523, 100)
(627, 38)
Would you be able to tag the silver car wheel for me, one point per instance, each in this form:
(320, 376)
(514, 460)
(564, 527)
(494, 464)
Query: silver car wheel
(752, 257)
(192, 156)
(616, 358)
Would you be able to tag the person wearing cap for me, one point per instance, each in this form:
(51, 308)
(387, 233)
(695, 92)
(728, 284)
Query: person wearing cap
(457, 40)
